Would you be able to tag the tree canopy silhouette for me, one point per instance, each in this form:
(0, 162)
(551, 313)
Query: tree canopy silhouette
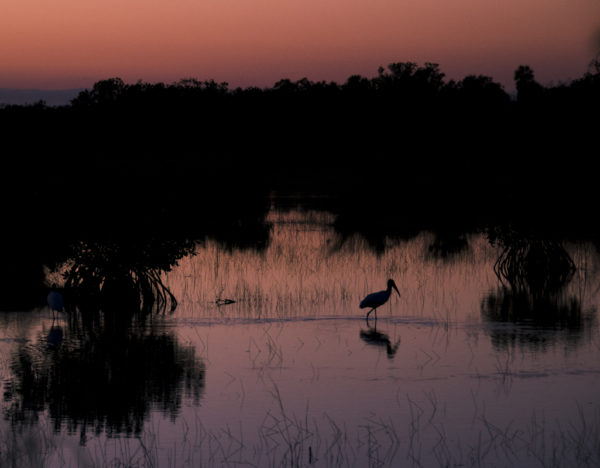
(406, 135)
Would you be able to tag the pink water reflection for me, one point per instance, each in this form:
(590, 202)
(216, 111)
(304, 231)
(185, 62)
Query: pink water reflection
(307, 272)
(292, 372)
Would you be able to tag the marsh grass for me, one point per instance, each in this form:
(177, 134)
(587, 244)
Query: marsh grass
(285, 439)
(305, 273)
(537, 442)
(26, 448)
(308, 271)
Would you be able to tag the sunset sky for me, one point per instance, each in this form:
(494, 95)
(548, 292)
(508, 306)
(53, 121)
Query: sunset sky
(73, 43)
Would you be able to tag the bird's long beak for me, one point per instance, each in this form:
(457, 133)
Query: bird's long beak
(394, 286)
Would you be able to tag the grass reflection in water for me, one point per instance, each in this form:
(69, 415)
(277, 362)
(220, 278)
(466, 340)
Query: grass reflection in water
(289, 375)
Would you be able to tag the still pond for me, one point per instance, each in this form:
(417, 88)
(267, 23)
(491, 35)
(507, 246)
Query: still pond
(268, 361)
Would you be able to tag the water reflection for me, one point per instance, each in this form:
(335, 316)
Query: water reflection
(295, 317)
(55, 336)
(99, 376)
(534, 273)
(538, 321)
(447, 244)
(376, 338)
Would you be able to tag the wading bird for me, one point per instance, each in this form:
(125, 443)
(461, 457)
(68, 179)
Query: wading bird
(376, 299)
(55, 300)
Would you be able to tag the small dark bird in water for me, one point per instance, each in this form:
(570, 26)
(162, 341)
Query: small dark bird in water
(377, 299)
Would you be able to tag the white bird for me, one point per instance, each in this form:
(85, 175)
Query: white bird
(55, 300)
(377, 299)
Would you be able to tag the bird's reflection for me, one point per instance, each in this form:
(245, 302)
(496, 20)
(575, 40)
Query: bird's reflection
(55, 336)
(376, 338)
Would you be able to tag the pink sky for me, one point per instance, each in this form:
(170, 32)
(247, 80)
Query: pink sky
(73, 43)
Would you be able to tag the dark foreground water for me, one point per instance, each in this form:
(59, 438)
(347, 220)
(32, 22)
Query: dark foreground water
(268, 361)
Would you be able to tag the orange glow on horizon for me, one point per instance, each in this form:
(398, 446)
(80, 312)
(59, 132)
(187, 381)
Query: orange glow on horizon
(66, 43)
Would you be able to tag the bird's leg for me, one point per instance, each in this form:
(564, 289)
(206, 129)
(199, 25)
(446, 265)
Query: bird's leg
(367, 319)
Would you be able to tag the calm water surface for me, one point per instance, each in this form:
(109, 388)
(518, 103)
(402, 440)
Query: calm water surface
(291, 374)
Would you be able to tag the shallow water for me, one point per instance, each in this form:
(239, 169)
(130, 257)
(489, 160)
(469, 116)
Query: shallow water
(292, 374)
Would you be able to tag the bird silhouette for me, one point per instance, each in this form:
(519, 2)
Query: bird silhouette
(55, 300)
(377, 299)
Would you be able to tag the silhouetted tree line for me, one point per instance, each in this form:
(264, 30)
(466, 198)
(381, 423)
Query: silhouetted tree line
(403, 151)
(406, 134)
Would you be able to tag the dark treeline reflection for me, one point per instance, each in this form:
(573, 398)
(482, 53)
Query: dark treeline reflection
(98, 375)
(103, 366)
(446, 244)
(539, 321)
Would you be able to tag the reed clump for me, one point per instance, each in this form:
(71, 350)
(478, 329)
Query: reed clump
(129, 274)
(536, 264)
